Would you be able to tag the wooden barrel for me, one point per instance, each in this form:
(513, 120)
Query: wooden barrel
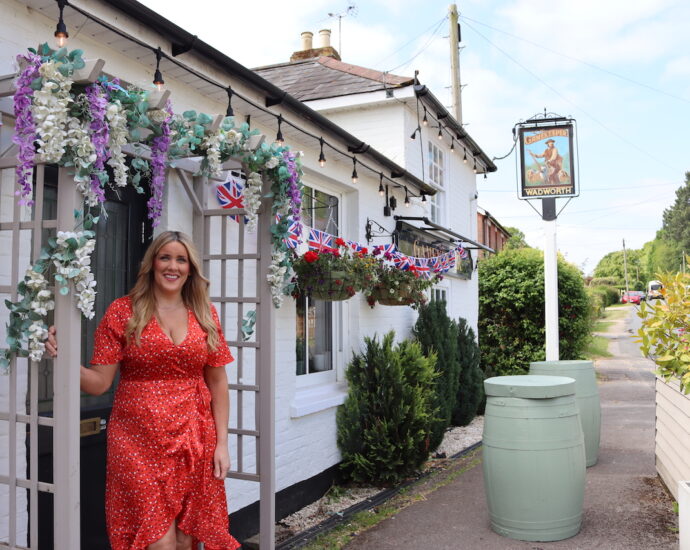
(586, 395)
(533, 457)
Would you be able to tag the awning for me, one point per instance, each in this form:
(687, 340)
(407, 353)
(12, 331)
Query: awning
(445, 233)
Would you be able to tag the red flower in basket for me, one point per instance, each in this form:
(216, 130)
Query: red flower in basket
(311, 256)
(340, 242)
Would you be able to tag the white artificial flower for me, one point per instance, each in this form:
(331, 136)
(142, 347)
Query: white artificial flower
(272, 162)
(49, 109)
(118, 133)
(252, 200)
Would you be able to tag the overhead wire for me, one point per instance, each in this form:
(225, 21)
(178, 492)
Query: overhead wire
(435, 24)
(559, 94)
(428, 43)
(582, 61)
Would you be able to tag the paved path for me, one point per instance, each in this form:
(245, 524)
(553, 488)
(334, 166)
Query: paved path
(625, 507)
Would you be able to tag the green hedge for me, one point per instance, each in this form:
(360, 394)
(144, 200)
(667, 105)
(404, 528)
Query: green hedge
(511, 311)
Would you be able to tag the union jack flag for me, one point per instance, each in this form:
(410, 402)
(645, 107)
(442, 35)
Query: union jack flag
(354, 246)
(422, 266)
(292, 239)
(320, 240)
(462, 252)
(230, 195)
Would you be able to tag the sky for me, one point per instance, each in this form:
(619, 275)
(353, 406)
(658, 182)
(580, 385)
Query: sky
(621, 69)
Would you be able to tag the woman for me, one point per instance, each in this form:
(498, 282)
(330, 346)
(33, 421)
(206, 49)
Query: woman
(167, 434)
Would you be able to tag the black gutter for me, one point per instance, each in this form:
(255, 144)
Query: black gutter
(449, 122)
(183, 41)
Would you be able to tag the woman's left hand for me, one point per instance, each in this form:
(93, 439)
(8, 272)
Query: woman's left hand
(221, 461)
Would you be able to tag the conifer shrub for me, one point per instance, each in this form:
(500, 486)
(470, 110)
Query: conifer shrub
(511, 311)
(437, 333)
(471, 381)
(385, 422)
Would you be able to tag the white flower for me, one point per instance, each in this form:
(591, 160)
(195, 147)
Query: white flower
(50, 112)
(117, 123)
(272, 162)
(158, 115)
(252, 200)
(212, 143)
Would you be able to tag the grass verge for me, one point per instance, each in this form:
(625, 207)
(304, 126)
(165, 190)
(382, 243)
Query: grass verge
(597, 348)
(342, 534)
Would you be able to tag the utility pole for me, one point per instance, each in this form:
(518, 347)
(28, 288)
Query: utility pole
(454, 39)
(625, 266)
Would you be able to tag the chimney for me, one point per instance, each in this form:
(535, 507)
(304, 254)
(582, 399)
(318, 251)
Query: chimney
(325, 38)
(306, 40)
(308, 51)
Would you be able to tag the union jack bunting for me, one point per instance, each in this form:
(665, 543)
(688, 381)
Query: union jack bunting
(390, 248)
(462, 252)
(292, 238)
(401, 261)
(320, 240)
(355, 246)
(229, 195)
(422, 266)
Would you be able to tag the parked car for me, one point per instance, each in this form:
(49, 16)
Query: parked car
(633, 297)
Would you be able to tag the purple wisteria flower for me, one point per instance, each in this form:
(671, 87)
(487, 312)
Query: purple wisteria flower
(294, 191)
(98, 103)
(25, 129)
(159, 157)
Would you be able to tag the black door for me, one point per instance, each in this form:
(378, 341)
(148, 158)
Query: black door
(121, 239)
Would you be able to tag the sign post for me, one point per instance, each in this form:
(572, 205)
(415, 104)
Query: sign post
(547, 171)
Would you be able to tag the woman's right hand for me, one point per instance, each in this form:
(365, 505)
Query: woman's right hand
(51, 342)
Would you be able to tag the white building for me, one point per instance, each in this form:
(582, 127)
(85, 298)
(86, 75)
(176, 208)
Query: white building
(36, 464)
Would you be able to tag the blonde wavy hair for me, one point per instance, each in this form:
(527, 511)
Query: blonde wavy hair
(194, 292)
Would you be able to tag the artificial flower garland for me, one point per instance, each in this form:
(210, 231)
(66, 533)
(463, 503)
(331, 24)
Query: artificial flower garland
(85, 129)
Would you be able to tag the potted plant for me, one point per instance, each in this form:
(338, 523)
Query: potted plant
(333, 274)
(397, 287)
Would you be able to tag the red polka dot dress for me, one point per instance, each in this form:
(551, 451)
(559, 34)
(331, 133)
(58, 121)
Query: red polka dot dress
(161, 435)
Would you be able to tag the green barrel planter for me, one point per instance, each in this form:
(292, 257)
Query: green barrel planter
(586, 395)
(533, 457)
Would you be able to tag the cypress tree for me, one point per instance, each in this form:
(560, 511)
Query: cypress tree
(437, 333)
(471, 384)
(384, 424)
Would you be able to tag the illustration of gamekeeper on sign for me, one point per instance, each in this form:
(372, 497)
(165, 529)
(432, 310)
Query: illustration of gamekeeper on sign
(547, 164)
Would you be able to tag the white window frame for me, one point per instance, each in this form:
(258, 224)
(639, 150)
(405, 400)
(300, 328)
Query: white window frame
(437, 176)
(324, 379)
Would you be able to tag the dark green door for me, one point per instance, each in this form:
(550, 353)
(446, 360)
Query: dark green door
(121, 240)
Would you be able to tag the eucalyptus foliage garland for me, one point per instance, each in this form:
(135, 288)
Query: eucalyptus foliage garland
(85, 128)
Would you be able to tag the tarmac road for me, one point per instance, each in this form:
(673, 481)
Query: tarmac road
(626, 506)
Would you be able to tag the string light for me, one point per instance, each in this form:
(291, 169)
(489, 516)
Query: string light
(407, 199)
(279, 136)
(414, 134)
(452, 145)
(158, 81)
(475, 165)
(229, 111)
(322, 157)
(382, 191)
(464, 159)
(61, 33)
(423, 196)
(355, 177)
(425, 122)
(484, 175)
(440, 132)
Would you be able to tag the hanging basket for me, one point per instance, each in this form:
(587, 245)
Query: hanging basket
(401, 297)
(331, 287)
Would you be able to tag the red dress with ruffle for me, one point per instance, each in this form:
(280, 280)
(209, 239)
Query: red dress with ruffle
(161, 435)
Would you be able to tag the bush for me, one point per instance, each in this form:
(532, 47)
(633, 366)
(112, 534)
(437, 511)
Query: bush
(610, 294)
(385, 422)
(597, 303)
(608, 281)
(511, 311)
(437, 333)
(471, 385)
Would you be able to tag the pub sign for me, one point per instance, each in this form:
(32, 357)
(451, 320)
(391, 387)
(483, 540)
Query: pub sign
(547, 166)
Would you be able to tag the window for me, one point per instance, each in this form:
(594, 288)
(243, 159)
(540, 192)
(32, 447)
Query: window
(436, 164)
(439, 295)
(314, 347)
